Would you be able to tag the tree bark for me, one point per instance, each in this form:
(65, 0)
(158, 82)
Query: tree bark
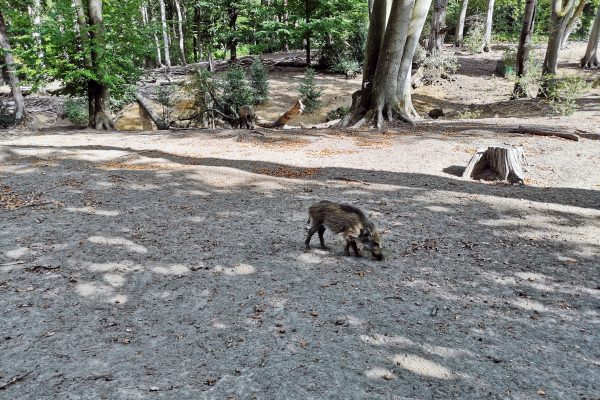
(96, 88)
(307, 15)
(149, 63)
(460, 27)
(438, 27)
(165, 34)
(573, 17)
(523, 51)
(502, 163)
(12, 73)
(590, 60)
(152, 20)
(557, 28)
(233, 16)
(198, 37)
(180, 23)
(487, 39)
(145, 105)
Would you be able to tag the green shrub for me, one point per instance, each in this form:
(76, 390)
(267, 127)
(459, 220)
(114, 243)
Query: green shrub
(562, 94)
(474, 39)
(77, 110)
(507, 65)
(120, 99)
(338, 113)
(236, 91)
(437, 66)
(532, 79)
(165, 96)
(259, 80)
(311, 94)
(347, 67)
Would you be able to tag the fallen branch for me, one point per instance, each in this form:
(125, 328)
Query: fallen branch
(544, 131)
(14, 380)
(158, 121)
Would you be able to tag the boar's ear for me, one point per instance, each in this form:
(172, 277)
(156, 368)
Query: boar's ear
(365, 233)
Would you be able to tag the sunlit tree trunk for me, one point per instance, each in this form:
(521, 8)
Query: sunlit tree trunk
(438, 27)
(487, 38)
(460, 27)
(233, 16)
(286, 21)
(307, 15)
(180, 23)
(198, 36)
(574, 17)
(590, 60)
(558, 22)
(149, 63)
(12, 73)
(97, 88)
(523, 51)
(165, 33)
(155, 36)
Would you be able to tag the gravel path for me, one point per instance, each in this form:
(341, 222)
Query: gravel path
(172, 266)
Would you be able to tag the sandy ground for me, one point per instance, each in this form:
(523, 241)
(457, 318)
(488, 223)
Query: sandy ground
(171, 265)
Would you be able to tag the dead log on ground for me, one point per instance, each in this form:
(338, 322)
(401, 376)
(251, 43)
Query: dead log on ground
(145, 105)
(502, 163)
(324, 125)
(545, 131)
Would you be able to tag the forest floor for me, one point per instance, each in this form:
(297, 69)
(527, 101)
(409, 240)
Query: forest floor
(172, 265)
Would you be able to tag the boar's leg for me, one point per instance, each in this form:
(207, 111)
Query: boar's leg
(321, 231)
(311, 232)
(355, 248)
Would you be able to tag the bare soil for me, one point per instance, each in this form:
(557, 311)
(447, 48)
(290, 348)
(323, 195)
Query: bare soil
(172, 265)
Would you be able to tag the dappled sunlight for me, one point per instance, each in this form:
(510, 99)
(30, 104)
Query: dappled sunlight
(528, 304)
(114, 266)
(174, 269)
(238, 269)
(118, 241)
(422, 366)
(114, 280)
(100, 292)
(93, 211)
(19, 252)
(402, 342)
(314, 256)
(380, 373)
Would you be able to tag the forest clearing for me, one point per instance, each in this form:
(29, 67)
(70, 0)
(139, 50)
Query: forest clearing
(155, 190)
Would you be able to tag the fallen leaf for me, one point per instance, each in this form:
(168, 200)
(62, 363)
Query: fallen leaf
(541, 392)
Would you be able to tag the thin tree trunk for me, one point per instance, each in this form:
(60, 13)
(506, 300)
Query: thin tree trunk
(155, 36)
(84, 37)
(460, 27)
(198, 25)
(377, 25)
(102, 116)
(487, 39)
(574, 17)
(12, 73)
(286, 18)
(590, 60)
(180, 23)
(557, 28)
(37, 22)
(149, 63)
(165, 33)
(307, 11)
(233, 16)
(523, 51)
(438, 27)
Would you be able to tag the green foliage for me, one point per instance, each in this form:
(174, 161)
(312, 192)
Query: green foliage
(438, 66)
(311, 94)
(259, 80)
(338, 113)
(165, 96)
(236, 91)
(122, 97)
(507, 65)
(467, 113)
(562, 94)
(532, 79)
(76, 110)
(347, 67)
(474, 39)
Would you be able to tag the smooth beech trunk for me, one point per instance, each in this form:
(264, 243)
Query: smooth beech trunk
(590, 60)
(438, 27)
(198, 37)
(12, 73)
(460, 27)
(573, 17)
(524, 42)
(386, 90)
(558, 22)
(487, 38)
(165, 33)
(180, 23)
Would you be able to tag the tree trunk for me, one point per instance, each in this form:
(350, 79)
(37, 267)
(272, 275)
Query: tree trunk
(145, 105)
(460, 27)
(233, 16)
(438, 27)
(198, 37)
(180, 23)
(165, 34)
(390, 59)
(286, 19)
(487, 39)
(573, 17)
(148, 62)
(96, 88)
(307, 12)
(590, 60)
(502, 163)
(523, 51)
(152, 20)
(12, 73)
(557, 29)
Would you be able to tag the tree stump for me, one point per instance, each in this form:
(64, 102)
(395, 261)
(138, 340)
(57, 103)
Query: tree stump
(503, 163)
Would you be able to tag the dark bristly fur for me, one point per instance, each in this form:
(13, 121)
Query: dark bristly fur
(348, 220)
(246, 117)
